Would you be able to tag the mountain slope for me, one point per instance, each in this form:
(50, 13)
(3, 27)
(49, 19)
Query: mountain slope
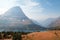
(55, 24)
(15, 20)
(47, 21)
(44, 23)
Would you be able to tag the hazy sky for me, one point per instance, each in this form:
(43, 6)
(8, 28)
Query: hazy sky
(34, 9)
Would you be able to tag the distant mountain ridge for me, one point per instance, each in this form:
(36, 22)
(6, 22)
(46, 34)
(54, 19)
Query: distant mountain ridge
(44, 23)
(15, 20)
(47, 21)
(55, 24)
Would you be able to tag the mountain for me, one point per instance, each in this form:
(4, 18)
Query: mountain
(55, 24)
(47, 22)
(15, 20)
(44, 23)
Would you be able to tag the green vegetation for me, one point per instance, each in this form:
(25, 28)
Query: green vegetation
(13, 35)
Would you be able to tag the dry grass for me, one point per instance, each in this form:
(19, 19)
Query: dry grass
(49, 35)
